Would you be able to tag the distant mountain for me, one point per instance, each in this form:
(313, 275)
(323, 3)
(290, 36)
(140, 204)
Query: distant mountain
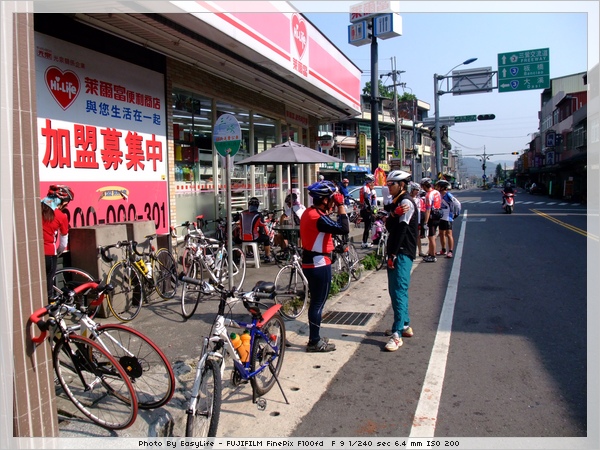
(472, 166)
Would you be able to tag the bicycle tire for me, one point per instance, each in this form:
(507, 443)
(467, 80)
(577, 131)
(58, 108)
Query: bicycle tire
(380, 254)
(204, 421)
(238, 270)
(164, 273)
(190, 293)
(70, 278)
(340, 272)
(356, 267)
(125, 300)
(111, 401)
(144, 362)
(262, 353)
(291, 292)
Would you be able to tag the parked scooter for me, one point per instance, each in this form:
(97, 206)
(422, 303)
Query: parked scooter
(509, 202)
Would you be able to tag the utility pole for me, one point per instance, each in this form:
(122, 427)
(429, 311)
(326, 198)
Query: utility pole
(374, 101)
(394, 74)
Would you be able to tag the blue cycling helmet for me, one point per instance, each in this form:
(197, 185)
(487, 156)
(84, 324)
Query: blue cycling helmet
(321, 189)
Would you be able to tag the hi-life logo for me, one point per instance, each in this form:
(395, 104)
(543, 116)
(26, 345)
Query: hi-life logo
(300, 34)
(64, 86)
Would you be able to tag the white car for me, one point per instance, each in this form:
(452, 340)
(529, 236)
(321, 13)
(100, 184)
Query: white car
(355, 194)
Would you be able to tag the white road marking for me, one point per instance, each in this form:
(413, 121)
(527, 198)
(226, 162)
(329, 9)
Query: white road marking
(427, 409)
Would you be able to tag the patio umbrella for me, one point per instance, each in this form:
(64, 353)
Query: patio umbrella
(289, 153)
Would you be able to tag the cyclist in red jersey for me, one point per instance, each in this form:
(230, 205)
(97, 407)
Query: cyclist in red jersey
(316, 228)
(55, 228)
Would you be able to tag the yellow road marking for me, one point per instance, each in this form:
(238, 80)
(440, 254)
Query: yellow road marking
(566, 225)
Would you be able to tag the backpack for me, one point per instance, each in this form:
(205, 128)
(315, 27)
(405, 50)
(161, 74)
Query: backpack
(455, 206)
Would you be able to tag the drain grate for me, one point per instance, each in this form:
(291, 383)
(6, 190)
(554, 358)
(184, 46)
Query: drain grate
(346, 318)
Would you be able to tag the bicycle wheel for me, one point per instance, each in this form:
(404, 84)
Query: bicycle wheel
(356, 267)
(203, 420)
(267, 354)
(125, 300)
(380, 254)
(106, 395)
(164, 273)
(238, 270)
(340, 272)
(290, 292)
(69, 278)
(146, 365)
(190, 293)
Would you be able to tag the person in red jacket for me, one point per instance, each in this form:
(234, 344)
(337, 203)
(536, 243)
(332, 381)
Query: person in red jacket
(55, 228)
(316, 228)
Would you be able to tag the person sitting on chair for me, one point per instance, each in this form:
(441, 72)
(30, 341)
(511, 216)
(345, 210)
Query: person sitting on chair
(253, 227)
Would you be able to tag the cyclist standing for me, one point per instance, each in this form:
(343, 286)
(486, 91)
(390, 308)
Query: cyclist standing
(253, 227)
(316, 228)
(55, 228)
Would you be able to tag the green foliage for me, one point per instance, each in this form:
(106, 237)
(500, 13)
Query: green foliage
(369, 261)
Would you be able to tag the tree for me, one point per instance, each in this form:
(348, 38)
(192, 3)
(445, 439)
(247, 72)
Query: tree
(499, 172)
(384, 91)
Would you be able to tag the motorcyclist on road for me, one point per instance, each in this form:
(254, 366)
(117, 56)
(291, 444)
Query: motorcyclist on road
(508, 189)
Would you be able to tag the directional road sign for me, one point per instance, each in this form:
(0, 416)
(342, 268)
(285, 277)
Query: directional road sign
(524, 70)
(472, 118)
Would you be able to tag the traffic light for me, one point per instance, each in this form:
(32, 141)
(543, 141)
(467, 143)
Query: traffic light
(486, 117)
(444, 138)
(514, 153)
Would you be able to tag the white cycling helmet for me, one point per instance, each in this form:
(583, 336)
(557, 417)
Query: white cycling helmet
(369, 178)
(398, 175)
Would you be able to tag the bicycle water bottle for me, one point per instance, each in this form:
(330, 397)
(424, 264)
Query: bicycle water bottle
(236, 341)
(219, 258)
(140, 264)
(244, 349)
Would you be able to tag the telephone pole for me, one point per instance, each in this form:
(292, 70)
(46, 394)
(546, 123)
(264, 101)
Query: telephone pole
(394, 74)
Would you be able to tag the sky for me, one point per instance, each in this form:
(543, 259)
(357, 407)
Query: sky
(437, 36)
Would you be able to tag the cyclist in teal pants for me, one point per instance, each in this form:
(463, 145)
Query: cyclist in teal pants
(402, 226)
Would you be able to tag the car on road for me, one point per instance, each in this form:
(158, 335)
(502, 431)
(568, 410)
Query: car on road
(355, 194)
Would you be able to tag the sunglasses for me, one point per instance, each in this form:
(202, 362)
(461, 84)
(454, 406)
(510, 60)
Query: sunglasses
(391, 183)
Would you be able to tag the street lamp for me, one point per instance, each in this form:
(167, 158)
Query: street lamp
(436, 94)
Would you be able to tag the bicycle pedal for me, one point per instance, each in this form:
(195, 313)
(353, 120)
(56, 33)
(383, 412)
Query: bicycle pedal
(261, 404)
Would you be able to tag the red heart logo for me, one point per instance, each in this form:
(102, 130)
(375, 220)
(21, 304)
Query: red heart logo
(300, 34)
(64, 86)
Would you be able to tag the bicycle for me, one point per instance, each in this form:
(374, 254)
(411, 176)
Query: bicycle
(92, 379)
(146, 365)
(205, 255)
(381, 252)
(356, 267)
(291, 286)
(341, 273)
(134, 278)
(267, 349)
(68, 278)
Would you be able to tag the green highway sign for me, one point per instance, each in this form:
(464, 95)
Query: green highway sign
(524, 70)
(465, 118)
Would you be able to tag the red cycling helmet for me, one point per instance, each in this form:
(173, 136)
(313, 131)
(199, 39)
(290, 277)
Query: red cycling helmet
(61, 191)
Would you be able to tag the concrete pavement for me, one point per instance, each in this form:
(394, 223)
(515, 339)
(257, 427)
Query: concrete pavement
(304, 376)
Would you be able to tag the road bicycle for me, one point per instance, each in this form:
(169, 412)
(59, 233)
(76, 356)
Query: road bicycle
(144, 362)
(260, 367)
(381, 250)
(136, 276)
(68, 278)
(341, 272)
(356, 267)
(90, 377)
(291, 286)
(206, 260)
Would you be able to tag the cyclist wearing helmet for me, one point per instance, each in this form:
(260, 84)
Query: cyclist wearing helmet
(414, 190)
(446, 238)
(316, 228)
(402, 226)
(433, 200)
(368, 199)
(253, 227)
(55, 228)
(343, 188)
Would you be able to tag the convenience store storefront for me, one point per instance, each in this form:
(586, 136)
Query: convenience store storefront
(134, 134)
(121, 107)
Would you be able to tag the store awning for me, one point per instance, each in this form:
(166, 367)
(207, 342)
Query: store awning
(351, 168)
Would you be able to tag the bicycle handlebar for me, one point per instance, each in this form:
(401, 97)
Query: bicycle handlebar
(65, 297)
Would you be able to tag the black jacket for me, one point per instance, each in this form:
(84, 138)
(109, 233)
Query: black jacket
(402, 238)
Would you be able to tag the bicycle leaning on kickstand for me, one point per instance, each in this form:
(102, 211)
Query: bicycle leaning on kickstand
(260, 365)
